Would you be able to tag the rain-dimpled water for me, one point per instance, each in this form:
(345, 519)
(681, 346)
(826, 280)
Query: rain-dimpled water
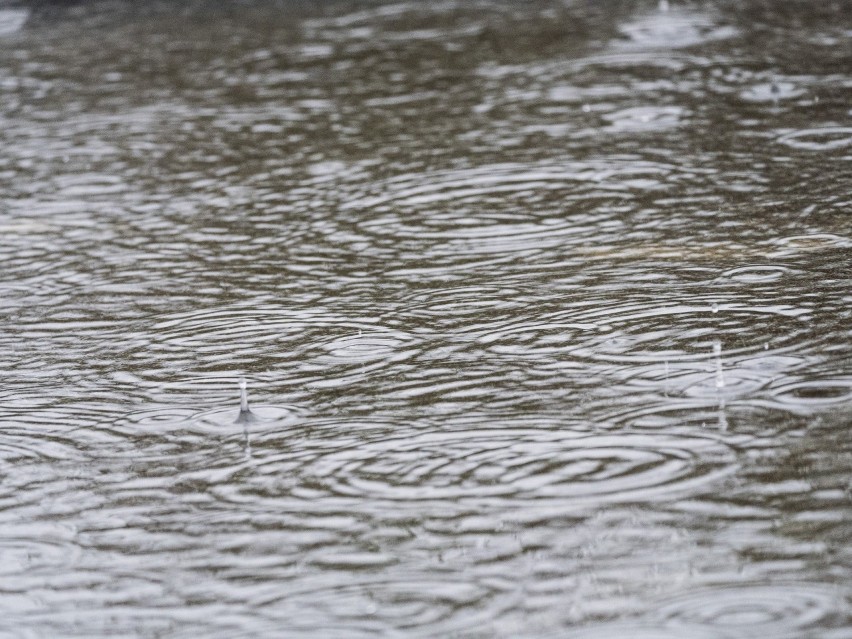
(426, 319)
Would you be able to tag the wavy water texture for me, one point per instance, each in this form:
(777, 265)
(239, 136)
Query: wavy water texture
(782, 610)
(542, 310)
(508, 464)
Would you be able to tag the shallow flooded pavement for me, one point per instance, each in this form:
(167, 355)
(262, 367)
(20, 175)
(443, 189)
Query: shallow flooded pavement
(544, 311)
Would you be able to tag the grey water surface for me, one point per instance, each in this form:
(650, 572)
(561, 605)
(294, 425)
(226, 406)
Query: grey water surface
(544, 310)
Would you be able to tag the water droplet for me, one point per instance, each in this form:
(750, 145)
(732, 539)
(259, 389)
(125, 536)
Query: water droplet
(714, 307)
(723, 417)
(245, 415)
(720, 376)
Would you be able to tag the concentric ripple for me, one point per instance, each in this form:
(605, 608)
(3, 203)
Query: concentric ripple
(646, 333)
(264, 416)
(756, 273)
(535, 337)
(472, 260)
(424, 605)
(521, 464)
(821, 139)
(654, 332)
(370, 346)
(171, 418)
(501, 207)
(813, 394)
(777, 610)
(771, 92)
(813, 242)
(234, 336)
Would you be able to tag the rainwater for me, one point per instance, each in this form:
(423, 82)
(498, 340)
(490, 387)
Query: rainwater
(543, 308)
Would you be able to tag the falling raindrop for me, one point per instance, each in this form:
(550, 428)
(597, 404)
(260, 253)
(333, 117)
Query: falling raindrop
(247, 441)
(245, 417)
(720, 384)
(720, 376)
(723, 418)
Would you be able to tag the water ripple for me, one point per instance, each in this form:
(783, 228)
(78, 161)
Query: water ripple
(819, 139)
(771, 92)
(266, 341)
(36, 550)
(473, 260)
(812, 394)
(646, 118)
(364, 347)
(421, 604)
(795, 244)
(510, 464)
(639, 630)
(757, 273)
(654, 332)
(776, 610)
(671, 28)
(527, 208)
(153, 418)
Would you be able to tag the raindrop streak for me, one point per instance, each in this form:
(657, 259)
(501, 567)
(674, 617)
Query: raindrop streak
(245, 417)
(720, 375)
(720, 384)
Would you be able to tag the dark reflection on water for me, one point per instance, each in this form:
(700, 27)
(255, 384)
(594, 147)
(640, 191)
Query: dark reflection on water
(544, 308)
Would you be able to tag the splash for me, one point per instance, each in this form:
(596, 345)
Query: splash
(245, 416)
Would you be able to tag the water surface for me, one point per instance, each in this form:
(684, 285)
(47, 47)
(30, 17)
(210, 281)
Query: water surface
(544, 310)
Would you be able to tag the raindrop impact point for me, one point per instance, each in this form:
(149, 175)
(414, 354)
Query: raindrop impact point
(245, 416)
